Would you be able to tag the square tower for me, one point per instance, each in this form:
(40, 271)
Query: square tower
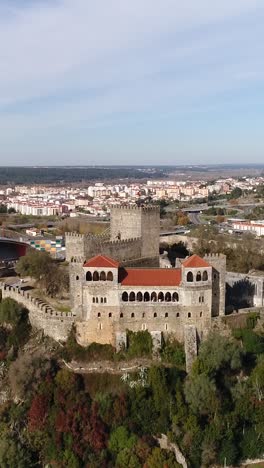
(130, 222)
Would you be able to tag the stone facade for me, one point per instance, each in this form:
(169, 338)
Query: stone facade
(106, 305)
(134, 237)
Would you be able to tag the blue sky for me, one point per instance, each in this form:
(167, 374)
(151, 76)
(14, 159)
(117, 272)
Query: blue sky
(122, 82)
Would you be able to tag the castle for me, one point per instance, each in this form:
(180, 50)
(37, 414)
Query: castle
(133, 238)
(122, 287)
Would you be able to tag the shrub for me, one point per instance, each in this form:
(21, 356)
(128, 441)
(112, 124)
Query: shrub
(252, 342)
(173, 353)
(139, 343)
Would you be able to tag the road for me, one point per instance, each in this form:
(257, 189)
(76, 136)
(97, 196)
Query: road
(195, 218)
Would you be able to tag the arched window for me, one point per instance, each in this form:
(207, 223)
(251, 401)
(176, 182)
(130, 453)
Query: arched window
(105, 300)
(178, 314)
(98, 315)
(175, 297)
(132, 297)
(168, 297)
(155, 314)
(110, 276)
(89, 276)
(205, 276)
(121, 315)
(166, 314)
(93, 299)
(161, 297)
(189, 314)
(153, 297)
(110, 315)
(96, 300)
(201, 314)
(77, 278)
(102, 300)
(139, 297)
(143, 314)
(125, 297)
(96, 276)
(146, 297)
(102, 276)
(132, 315)
(189, 277)
(198, 276)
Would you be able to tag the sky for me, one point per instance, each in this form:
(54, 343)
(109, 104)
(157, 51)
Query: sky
(131, 82)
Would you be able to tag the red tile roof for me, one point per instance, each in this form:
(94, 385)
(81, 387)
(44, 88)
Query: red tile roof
(195, 262)
(101, 261)
(150, 277)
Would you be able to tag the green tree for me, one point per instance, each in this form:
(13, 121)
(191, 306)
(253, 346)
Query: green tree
(121, 439)
(218, 353)
(13, 454)
(201, 393)
(161, 459)
(41, 267)
(127, 458)
(257, 379)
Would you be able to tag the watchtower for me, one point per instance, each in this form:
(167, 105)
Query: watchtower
(130, 222)
(218, 262)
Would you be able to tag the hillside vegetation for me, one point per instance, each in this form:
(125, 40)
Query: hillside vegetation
(215, 414)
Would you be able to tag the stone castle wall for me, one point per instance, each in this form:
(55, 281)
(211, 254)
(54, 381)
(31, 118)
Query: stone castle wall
(249, 288)
(55, 324)
(105, 328)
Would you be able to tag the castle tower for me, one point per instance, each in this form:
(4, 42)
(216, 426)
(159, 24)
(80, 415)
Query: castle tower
(76, 285)
(134, 238)
(218, 262)
(138, 222)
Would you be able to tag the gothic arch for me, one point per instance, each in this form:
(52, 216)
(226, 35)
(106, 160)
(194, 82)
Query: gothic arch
(102, 276)
(124, 296)
(189, 277)
(198, 276)
(110, 276)
(153, 297)
(175, 297)
(160, 297)
(168, 297)
(132, 297)
(205, 276)
(89, 276)
(146, 297)
(139, 297)
(96, 276)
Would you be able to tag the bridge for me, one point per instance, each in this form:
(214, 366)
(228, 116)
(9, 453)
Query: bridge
(177, 231)
(13, 245)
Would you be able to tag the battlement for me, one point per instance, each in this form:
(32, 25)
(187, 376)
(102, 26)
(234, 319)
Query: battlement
(28, 301)
(144, 208)
(117, 242)
(214, 255)
(77, 260)
(74, 235)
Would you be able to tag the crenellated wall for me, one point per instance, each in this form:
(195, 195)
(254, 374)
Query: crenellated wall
(55, 324)
(244, 290)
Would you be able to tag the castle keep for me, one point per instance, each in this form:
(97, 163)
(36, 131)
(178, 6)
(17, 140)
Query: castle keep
(133, 238)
